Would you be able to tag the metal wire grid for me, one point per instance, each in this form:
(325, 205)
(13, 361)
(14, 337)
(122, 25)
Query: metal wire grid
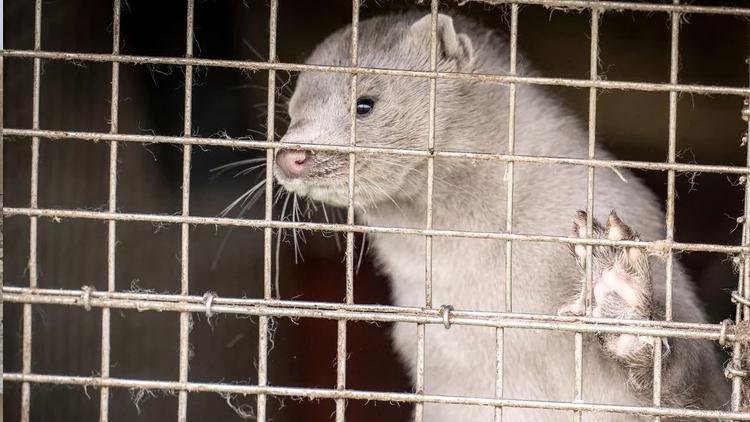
(348, 311)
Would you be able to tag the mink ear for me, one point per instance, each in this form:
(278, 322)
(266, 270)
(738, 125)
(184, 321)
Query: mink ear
(451, 46)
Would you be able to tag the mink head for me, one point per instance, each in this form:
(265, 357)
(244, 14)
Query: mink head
(389, 111)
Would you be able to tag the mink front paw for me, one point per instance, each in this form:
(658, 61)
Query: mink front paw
(621, 282)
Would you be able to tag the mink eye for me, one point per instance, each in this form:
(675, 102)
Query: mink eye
(364, 106)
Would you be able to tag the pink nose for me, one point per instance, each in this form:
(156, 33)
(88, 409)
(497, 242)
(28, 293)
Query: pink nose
(292, 163)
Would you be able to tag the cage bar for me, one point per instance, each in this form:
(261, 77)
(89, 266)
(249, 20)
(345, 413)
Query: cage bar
(236, 222)
(630, 6)
(672, 150)
(376, 313)
(2, 202)
(252, 144)
(743, 281)
(587, 290)
(270, 152)
(263, 320)
(431, 151)
(321, 393)
(297, 67)
(672, 146)
(421, 335)
(33, 203)
(185, 233)
(500, 332)
(112, 207)
(349, 293)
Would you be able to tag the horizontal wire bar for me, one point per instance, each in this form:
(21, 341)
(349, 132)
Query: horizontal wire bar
(322, 393)
(253, 144)
(295, 67)
(619, 6)
(88, 298)
(352, 307)
(659, 245)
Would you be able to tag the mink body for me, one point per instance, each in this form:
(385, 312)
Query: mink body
(469, 274)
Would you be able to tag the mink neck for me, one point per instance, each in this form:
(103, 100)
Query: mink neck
(468, 194)
(473, 201)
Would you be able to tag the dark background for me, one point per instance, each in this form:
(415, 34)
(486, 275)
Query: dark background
(75, 96)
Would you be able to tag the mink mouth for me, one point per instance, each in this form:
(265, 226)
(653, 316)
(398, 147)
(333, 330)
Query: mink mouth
(316, 188)
(318, 179)
(331, 188)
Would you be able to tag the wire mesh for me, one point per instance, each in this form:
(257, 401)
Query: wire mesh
(267, 308)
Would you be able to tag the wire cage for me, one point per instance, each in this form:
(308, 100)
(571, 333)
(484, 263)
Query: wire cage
(109, 297)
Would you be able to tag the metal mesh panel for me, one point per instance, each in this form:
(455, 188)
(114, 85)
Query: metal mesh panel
(442, 314)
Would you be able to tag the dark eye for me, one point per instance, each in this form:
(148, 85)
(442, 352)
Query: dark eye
(364, 106)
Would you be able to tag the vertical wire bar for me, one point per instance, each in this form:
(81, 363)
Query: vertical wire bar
(419, 384)
(185, 238)
(746, 275)
(743, 283)
(2, 201)
(578, 390)
(511, 150)
(746, 266)
(657, 375)
(111, 228)
(587, 286)
(267, 232)
(431, 150)
(671, 153)
(500, 332)
(349, 299)
(736, 399)
(33, 203)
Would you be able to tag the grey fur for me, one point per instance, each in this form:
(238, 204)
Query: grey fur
(469, 274)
